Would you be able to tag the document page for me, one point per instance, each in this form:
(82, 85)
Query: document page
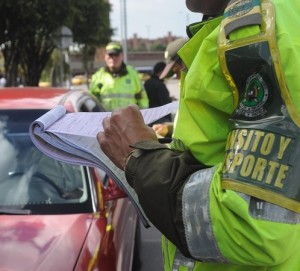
(71, 137)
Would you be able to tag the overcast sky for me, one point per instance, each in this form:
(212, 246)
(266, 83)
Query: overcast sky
(152, 18)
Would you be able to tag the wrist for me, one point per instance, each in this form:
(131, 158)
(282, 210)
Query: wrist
(133, 158)
(131, 165)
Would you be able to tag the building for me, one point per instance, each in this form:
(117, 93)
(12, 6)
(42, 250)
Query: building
(142, 53)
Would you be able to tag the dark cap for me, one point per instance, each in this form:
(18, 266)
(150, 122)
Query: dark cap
(211, 7)
(171, 56)
(114, 47)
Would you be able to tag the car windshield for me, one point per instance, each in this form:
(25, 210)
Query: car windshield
(32, 181)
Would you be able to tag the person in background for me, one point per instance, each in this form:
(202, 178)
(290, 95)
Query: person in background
(157, 92)
(117, 85)
(229, 198)
(173, 67)
(174, 64)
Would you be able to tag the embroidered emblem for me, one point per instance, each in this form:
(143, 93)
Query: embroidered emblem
(240, 8)
(256, 96)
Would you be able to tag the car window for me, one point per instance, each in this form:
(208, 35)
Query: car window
(30, 179)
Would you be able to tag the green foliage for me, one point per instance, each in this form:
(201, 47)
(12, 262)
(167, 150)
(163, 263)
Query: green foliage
(27, 31)
(91, 28)
(89, 22)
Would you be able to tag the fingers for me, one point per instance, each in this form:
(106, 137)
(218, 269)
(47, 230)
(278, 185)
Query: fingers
(131, 112)
(160, 129)
(114, 155)
(122, 129)
(108, 126)
(101, 140)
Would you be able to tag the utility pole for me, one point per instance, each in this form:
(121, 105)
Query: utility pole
(124, 28)
(63, 38)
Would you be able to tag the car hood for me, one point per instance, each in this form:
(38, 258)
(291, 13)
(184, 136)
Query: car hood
(51, 242)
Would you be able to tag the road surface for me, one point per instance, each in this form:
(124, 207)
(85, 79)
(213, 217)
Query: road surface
(150, 250)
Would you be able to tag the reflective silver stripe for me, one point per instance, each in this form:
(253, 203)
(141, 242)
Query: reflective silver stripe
(198, 229)
(180, 260)
(117, 95)
(267, 211)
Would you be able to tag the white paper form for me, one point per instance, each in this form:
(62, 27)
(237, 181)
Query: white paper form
(72, 138)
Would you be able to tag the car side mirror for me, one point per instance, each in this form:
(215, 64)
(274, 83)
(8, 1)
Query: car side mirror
(112, 191)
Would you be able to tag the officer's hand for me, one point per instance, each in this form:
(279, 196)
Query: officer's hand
(161, 129)
(125, 127)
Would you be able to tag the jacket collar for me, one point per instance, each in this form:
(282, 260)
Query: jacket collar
(121, 72)
(197, 32)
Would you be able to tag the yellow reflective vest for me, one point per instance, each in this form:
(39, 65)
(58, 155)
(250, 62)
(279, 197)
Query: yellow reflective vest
(247, 242)
(117, 91)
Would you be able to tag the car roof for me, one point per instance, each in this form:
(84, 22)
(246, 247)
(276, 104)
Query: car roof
(43, 98)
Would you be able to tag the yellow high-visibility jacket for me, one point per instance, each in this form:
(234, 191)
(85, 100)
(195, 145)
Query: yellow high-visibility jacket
(215, 229)
(118, 90)
(242, 240)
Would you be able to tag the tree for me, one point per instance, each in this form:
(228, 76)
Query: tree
(27, 32)
(91, 28)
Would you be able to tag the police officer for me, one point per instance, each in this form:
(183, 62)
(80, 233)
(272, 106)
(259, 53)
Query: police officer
(228, 198)
(117, 85)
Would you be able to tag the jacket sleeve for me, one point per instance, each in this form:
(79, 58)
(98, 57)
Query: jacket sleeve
(184, 200)
(94, 88)
(142, 100)
(158, 175)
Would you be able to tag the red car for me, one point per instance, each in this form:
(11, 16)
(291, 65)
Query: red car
(53, 215)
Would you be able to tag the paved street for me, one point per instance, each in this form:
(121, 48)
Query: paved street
(150, 250)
